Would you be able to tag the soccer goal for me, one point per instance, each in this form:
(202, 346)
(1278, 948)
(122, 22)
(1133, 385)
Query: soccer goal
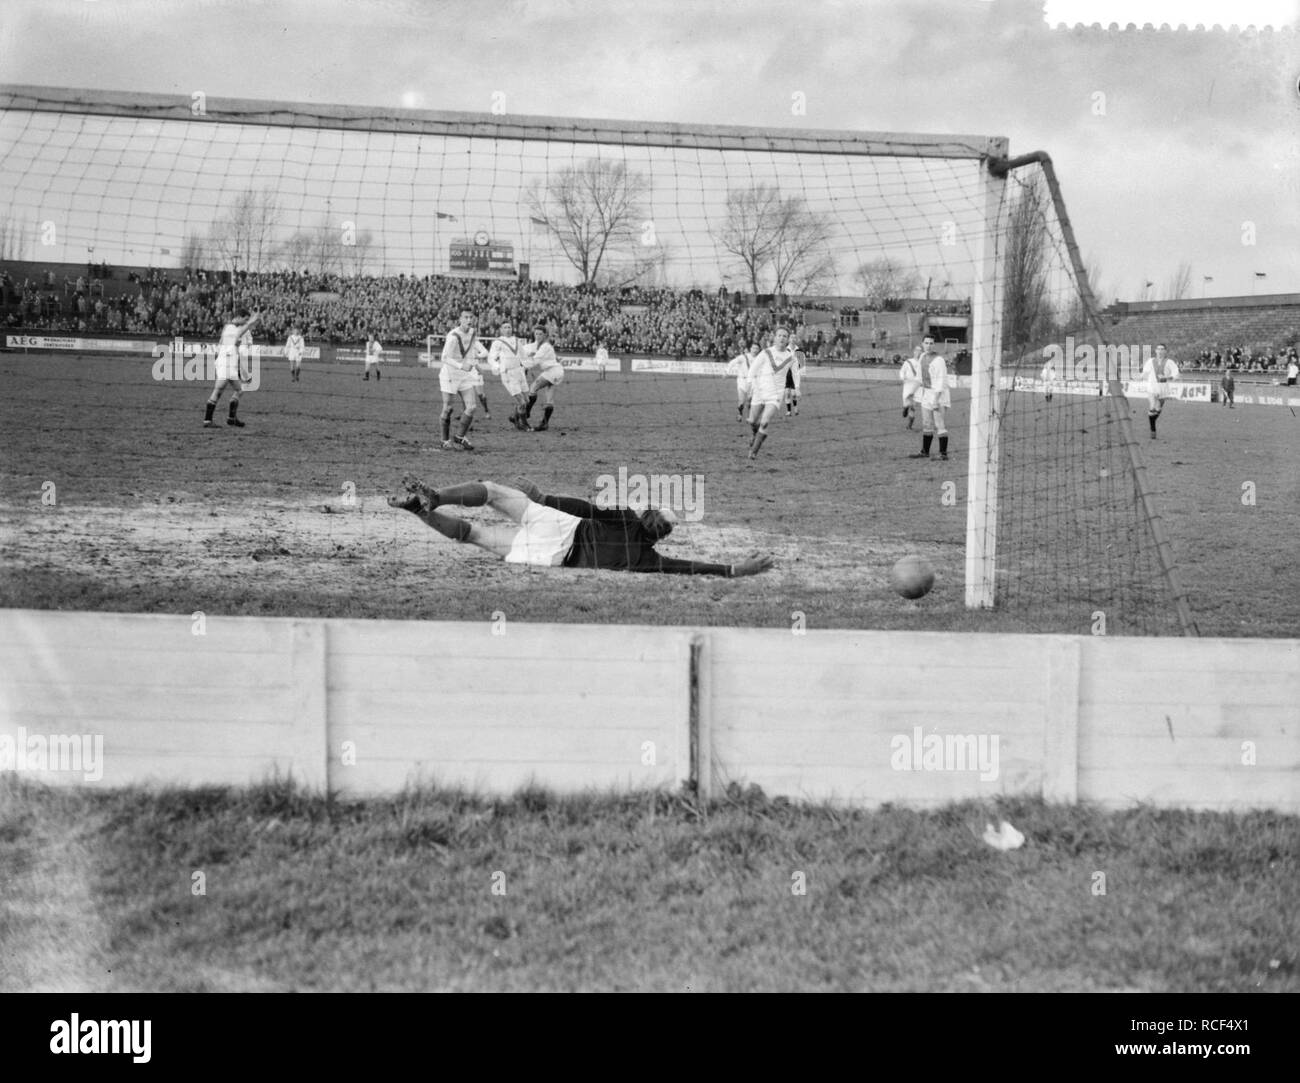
(673, 247)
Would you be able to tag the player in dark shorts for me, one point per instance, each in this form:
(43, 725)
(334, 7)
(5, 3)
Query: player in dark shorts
(792, 380)
(559, 531)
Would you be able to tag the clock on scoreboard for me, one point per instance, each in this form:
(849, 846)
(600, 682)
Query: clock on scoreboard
(482, 254)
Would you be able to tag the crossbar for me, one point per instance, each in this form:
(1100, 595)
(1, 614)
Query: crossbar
(184, 107)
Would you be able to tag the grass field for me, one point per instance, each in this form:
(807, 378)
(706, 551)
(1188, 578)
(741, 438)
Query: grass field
(632, 893)
(114, 498)
(287, 517)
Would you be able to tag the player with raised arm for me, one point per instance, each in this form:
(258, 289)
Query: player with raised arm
(1157, 371)
(374, 355)
(935, 398)
(767, 374)
(910, 374)
(560, 531)
(506, 359)
(294, 346)
(550, 375)
(739, 367)
(460, 355)
(229, 373)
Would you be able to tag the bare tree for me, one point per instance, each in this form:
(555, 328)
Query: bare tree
(15, 239)
(1027, 313)
(592, 210)
(764, 232)
(752, 229)
(886, 282)
(360, 255)
(643, 266)
(243, 238)
(197, 252)
(802, 262)
(1180, 283)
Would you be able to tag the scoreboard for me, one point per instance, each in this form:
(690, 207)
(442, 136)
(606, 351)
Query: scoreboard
(481, 254)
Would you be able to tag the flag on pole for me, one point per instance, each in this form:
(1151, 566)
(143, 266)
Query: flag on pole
(449, 217)
(539, 222)
(1261, 274)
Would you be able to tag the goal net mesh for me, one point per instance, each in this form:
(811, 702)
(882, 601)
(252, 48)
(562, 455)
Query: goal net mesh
(672, 249)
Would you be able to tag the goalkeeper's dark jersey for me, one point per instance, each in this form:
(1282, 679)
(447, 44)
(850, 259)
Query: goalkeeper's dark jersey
(614, 539)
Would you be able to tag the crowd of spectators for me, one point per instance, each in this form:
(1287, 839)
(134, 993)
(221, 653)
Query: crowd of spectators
(405, 309)
(1261, 360)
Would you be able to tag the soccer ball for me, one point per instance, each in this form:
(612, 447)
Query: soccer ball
(912, 577)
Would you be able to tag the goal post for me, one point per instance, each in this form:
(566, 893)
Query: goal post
(344, 217)
(986, 375)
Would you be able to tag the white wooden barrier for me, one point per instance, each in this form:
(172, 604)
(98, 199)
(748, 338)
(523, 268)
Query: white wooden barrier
(919, 719)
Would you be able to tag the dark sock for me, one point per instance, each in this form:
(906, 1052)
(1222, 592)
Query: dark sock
(1151, 420)
(465, 423)
(926, 441)
(446, 428)
(943, 444)
(905, 411)
(469, 494)
(234, 408)
(546, 415)
(207, 414)
(450, 525)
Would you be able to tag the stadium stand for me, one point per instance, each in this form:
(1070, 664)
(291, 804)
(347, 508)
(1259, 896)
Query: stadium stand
(1257, 333)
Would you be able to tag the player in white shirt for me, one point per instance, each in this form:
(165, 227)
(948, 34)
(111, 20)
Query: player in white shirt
(910, 374)
(767, 377)
(1157, 370)
(935, 398)
(229, 372)
(1049, 379)
(374, 355)
(602, 360)
(739, 367)
(459, 376)
(294, 346)
(506, 359)
(551, 373)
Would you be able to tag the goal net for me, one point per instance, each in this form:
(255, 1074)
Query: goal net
(671, 248)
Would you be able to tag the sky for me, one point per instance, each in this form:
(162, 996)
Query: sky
(1171, 147)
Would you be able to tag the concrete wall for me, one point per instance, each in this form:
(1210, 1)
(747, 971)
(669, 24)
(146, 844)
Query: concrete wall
(863, 718)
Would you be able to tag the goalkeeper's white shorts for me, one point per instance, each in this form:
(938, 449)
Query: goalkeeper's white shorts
(545, 536)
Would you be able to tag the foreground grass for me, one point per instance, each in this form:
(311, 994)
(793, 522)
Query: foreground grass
(646, 892)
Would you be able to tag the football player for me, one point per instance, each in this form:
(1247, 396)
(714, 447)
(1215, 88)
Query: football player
(229, 373)
(560, 531)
